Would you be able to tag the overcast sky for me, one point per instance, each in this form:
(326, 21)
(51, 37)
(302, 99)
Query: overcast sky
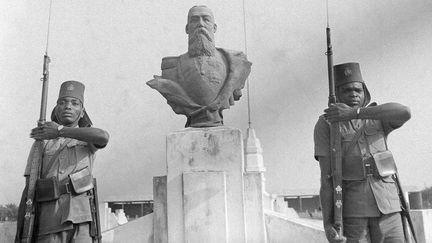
(115, 46)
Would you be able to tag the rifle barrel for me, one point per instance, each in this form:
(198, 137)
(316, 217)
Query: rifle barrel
(329, 53)
(45, 78)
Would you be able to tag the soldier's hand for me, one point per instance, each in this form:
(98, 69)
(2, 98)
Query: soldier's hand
(47, 131)
(339, 112)
(333, 236)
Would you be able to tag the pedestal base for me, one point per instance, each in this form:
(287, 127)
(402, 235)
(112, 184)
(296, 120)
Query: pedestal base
(205, 185)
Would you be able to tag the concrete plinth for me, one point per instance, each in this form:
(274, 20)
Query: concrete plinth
(191, 152)
(160, 223)
(205, 207)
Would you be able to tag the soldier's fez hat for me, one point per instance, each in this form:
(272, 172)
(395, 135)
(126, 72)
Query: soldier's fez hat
(350, 72)
(73, 89)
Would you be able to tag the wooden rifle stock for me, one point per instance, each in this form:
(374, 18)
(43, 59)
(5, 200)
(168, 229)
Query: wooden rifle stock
(335, 146)
(30, 218)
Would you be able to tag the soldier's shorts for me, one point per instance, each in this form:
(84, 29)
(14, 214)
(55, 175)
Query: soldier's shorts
(385, 229)
(79, 234)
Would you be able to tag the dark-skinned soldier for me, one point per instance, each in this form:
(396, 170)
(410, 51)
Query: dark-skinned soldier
(371, 206)
(62, 192)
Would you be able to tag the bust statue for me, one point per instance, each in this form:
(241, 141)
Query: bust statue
(203, 82)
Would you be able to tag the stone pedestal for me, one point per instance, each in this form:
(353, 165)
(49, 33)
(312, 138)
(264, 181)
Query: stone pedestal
(205, 186)
(205, 207)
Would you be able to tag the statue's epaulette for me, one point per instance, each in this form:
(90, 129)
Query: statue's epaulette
(233, 52)
(169, 62)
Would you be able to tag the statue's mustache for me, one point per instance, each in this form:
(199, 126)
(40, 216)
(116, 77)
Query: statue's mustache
(201, 43)
(201, 31)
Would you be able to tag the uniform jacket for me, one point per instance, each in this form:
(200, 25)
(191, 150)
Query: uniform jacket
(364, 196)
(77, 155)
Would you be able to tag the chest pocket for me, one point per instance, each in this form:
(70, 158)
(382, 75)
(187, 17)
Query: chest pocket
(375, 138)
(80, 154)
(346, 142)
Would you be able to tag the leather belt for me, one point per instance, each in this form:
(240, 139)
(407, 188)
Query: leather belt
(369, 167)
(66, 188)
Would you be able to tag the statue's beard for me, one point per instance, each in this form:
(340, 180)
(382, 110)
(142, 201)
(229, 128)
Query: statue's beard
(201, 43)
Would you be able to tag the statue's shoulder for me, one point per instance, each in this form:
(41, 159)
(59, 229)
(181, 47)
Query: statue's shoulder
(232, 53)
(169, 62)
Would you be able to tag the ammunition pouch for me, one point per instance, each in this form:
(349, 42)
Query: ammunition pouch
(384, 163)
(380, 165)
(50, 189)
(47, 189)
(82, 180)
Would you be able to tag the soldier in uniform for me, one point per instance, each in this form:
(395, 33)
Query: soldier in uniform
(64, 212)
(205, 80)
(371, 206)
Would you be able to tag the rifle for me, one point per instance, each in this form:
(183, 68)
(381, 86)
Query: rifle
(335, 145)
(95, 227)
(406, 217)
(30, 217)
(26, 231)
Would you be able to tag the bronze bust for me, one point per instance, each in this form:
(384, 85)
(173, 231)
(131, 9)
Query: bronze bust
(203, 82)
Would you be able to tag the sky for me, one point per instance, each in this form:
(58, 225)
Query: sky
(115, 46)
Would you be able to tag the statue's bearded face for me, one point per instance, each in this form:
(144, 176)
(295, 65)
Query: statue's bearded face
(201, 29)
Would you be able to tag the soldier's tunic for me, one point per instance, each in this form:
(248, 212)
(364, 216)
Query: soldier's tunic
(58, 215)
(363, 195)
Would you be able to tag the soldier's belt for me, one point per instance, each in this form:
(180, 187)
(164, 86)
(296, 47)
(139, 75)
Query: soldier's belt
(369, 167)
(50, 189)
(355, 168)
(379, 165)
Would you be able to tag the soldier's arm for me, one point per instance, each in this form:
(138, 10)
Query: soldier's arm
(393, 113)
(91, 135)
